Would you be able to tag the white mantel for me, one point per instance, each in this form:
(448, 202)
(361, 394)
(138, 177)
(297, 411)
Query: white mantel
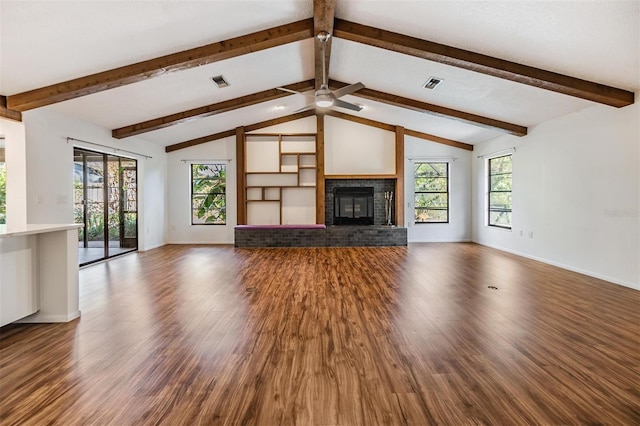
(39, 273)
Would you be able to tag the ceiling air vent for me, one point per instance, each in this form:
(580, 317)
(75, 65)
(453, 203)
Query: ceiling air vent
(220, 81)
(432, 83)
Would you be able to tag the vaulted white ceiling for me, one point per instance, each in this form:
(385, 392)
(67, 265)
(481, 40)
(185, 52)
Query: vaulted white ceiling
(48, 42)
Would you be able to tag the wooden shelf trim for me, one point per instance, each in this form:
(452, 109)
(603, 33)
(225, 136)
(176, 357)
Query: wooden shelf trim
(272, 186)
(297, 153)
(272, 173)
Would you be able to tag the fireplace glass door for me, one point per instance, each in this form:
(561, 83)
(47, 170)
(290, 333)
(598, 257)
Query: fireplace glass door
(353, 206)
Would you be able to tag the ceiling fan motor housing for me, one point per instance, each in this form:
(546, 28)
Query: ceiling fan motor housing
(324, 97)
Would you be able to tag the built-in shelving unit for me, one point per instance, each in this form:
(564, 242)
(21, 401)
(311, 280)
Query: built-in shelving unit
(280, 178)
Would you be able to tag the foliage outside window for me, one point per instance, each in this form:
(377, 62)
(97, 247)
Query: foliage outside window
(500, 181)
(431, 192)
(121, 194)
(208, 194)
(3, 194)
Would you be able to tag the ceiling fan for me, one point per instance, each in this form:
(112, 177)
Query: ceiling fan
(323, 97)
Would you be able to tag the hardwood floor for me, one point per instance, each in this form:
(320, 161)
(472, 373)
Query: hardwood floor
(190, 335)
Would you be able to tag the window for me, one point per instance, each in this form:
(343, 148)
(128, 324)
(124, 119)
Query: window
(105, 203)
(431, 199)
(500, 191)
(208, 194)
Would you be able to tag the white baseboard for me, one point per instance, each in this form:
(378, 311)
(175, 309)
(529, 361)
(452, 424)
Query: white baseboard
(46, 318)
(635, 286)
(155, 246)
(440, 241)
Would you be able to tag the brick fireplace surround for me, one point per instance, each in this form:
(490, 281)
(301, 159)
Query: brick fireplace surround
(330, 235)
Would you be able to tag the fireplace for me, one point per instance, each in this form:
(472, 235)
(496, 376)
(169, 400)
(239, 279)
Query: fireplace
(380, 186)
(353, 206)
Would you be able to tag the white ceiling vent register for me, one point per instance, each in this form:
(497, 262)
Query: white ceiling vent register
(432, 83)
(220, 81)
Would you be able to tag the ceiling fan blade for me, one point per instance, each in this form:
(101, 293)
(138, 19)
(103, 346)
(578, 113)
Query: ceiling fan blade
(347, 90)
(312, 105)
(284, 89)
(347, 105)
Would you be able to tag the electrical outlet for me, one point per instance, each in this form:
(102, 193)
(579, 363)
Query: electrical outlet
(521, 233)
(530, 234)
(62, 199)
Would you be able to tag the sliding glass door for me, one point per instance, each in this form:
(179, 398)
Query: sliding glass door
(105, 203)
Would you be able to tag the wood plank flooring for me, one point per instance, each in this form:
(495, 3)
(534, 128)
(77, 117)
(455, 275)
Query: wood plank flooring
(212, 335)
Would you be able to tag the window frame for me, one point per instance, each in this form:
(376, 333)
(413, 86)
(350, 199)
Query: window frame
(193, 195)
(447, 192)
(490, 191)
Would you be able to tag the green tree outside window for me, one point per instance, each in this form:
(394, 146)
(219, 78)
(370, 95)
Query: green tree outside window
(500, 186)
(208, 194)
(431, 192)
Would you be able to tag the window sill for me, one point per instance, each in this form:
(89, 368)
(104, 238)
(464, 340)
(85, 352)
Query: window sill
(499, 228)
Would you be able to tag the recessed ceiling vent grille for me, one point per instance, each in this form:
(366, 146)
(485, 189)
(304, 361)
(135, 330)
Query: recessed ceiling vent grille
(432, 83)
(220, 81)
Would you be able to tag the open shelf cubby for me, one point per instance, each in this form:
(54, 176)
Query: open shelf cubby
(280, 178)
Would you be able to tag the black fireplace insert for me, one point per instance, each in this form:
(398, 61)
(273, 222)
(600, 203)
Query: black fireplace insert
(353, 206)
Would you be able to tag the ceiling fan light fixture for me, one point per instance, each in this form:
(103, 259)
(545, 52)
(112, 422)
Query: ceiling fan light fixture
(324, 102)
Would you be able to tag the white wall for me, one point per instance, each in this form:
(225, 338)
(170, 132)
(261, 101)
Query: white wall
(352, 148)
(304, 125)
(50, 172)
(576, 193)
(459, 226)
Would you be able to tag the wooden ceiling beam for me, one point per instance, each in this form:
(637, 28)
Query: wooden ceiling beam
(483, 64)
(232, 132)
(438, 139)
(309, 113)
(140, 71)
(8, 113)
(279, 120)
(209, 110)
(200, 141)
(392, 128)
(424, 107)
(324, 12)
(361, 120)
